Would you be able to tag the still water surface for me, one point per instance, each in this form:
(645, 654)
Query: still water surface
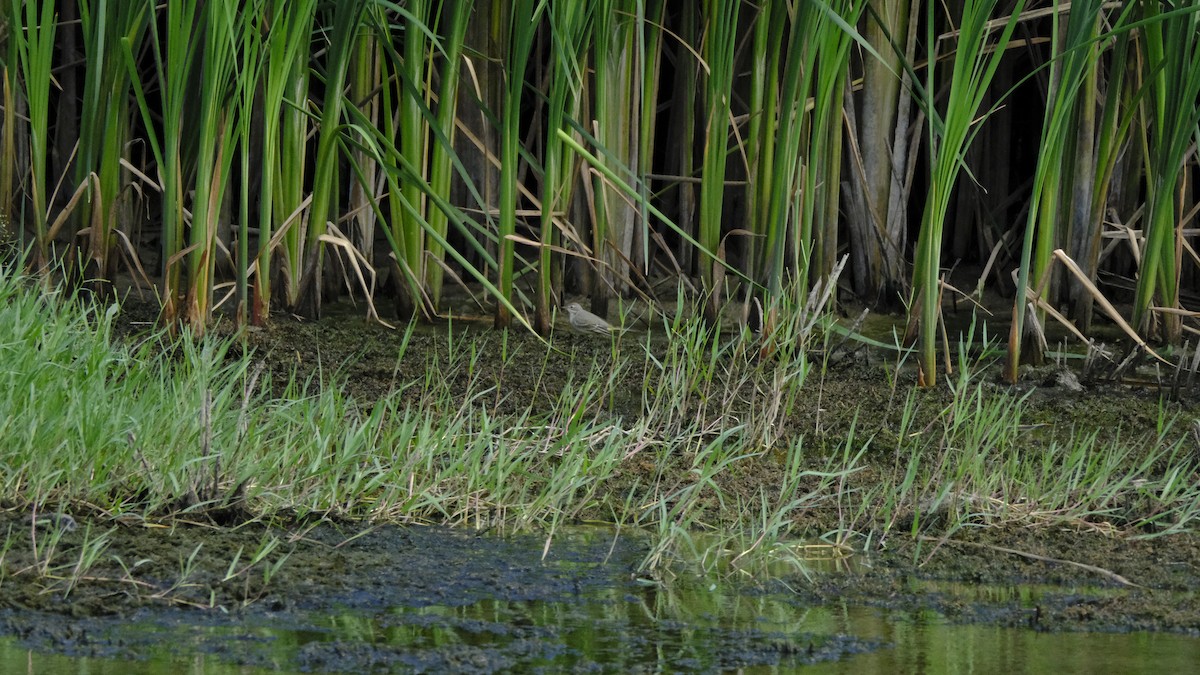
(909, 645)
(619, 626)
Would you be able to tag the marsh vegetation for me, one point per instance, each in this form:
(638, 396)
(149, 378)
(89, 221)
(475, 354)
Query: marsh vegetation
(282, 264)
(731, 461)
(268, 157)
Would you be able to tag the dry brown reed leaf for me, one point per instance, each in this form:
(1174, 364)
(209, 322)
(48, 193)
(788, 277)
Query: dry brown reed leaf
(1034, 296)
(357, 261)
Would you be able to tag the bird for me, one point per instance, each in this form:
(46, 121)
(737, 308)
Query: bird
(584, 321)
(54, 521)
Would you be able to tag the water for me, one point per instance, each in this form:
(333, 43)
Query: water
(926, 643)
(611, 622)
(912, 644)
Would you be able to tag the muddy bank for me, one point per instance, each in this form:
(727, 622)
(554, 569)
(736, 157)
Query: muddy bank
(338, 586)
(522, 372)
(341, 585)
(237, 578)
(1083, 580)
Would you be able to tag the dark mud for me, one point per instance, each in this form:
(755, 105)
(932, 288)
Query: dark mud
(979, 577)
(540, 614)
(155, 569)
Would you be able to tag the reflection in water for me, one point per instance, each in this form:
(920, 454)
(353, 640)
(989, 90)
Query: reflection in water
(926, 644)
(620, 625)
(654, 632)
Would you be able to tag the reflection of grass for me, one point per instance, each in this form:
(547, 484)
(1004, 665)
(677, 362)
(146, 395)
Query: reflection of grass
(189, 431)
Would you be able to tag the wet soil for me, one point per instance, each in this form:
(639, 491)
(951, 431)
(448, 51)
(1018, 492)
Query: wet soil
(181, 566)
(382, 577)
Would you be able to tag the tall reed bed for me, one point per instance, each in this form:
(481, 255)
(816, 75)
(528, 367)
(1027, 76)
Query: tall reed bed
(976, 58)
(31, 53)
(255, 146)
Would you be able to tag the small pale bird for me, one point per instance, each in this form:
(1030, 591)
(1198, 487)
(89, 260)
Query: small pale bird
(584, 321)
